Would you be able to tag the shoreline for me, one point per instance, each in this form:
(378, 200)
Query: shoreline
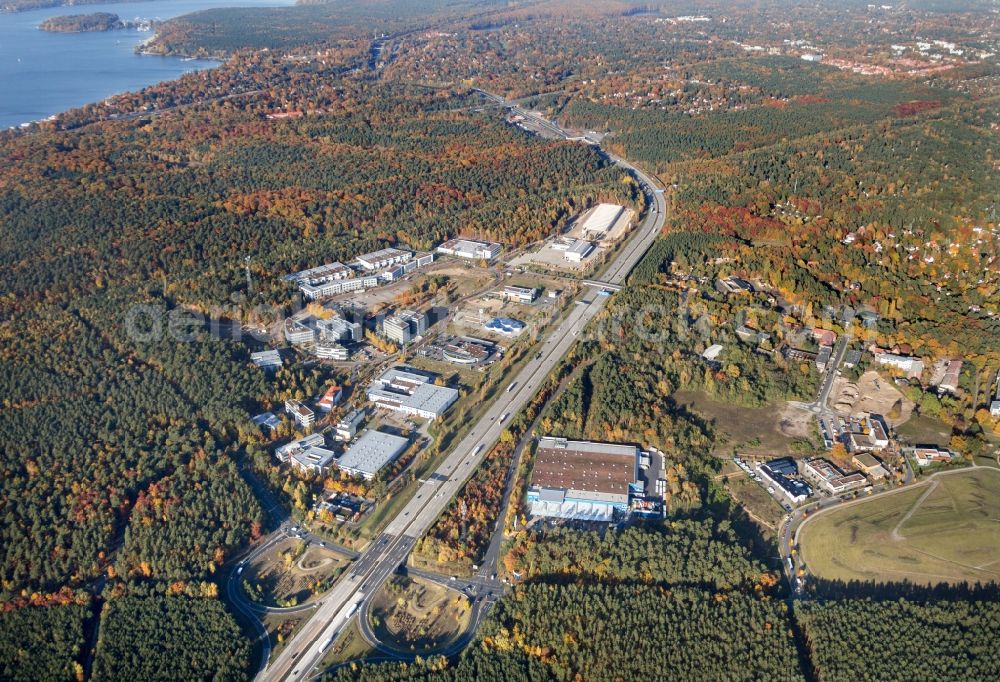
(9, 8)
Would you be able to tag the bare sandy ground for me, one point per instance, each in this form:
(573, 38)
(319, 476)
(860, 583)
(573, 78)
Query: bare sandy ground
(871, 393)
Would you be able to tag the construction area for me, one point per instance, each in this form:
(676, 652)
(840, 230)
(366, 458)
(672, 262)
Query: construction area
(292, 573)
(507, 303)
(416, 615)
(871, 393)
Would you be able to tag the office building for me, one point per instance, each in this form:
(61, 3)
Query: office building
(267, 422)
(410, 393)
(331, 350)
(830, 478)
(520, 294)
(298, 332)
(285, 452)
(302, 415)
(383, 258)
(782, 475)
(470, 249)
(337, 328)
(348, 426)
(267, 360)
(404, 326)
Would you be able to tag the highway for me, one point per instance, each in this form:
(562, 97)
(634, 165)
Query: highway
(390, 549)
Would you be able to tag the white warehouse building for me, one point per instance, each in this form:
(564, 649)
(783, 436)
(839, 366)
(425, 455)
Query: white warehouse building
(372, 451)
(602, 219)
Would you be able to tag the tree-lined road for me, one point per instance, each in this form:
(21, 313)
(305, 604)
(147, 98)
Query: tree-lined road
(390, 549)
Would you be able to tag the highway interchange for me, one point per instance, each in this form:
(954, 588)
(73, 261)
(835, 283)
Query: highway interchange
(390, 549)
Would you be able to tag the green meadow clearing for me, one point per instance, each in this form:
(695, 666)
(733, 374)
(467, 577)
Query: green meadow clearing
(946, 530)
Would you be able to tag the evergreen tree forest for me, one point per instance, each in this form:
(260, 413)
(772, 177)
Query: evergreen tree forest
(42, 642)
(169, 638)
(863, 639)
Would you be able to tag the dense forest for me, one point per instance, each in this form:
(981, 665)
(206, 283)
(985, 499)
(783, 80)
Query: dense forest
(682, 552)
(42, 642)
(147, 638)
(901, 640)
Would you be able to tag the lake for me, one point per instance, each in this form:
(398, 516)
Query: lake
(44, 73)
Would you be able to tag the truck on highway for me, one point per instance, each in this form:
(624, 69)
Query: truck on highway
(511, 387)
(504, 417)
(479, 448)
(791, 566)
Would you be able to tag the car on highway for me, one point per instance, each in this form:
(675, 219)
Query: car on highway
(504, 416)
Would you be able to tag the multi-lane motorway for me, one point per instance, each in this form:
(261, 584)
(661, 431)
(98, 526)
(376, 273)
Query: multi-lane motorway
(390, 549)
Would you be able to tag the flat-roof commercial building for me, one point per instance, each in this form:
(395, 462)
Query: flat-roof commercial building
(331, 350)
(266, 359)
(578, 251)
(869, 466)
(602, 219)
(928, 454)
(372, 451)
(383, 258)
(777, 473)
(471, 249)
(581, 479)
(314, 459)
(302, 415)
(830, 478)
(285, 452)
(521, 294)
(267, 421)
(411, 393)
(574, 250)
(467, 352)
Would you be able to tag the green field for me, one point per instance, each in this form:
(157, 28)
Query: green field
(749, 429)
(947, 530)
(923, 429)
